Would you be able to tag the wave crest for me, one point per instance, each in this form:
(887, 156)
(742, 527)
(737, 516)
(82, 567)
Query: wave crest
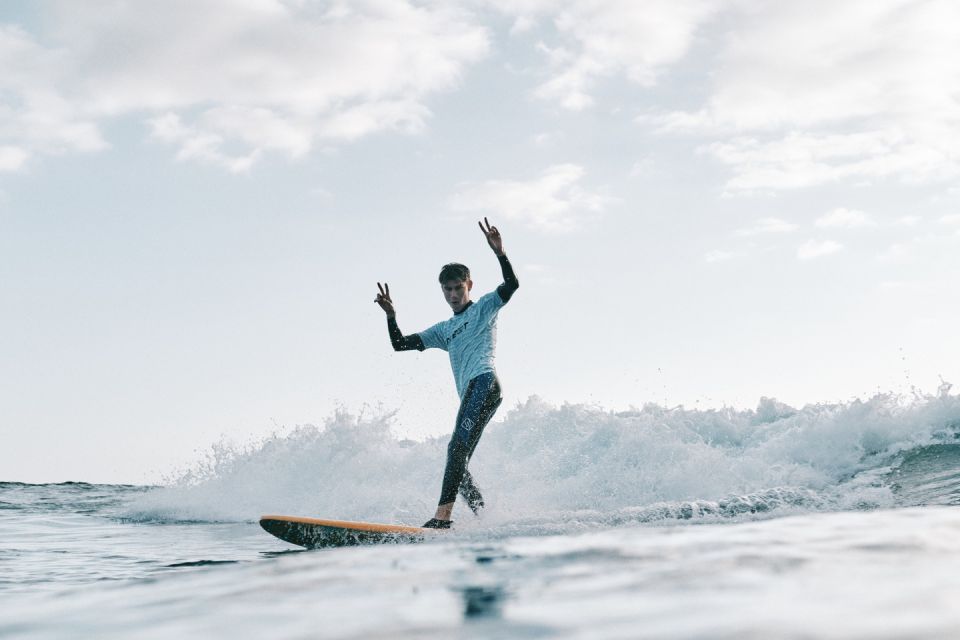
(546, 462)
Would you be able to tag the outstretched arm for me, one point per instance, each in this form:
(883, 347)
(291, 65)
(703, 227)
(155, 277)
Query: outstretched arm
(399, 341)
(510, 282)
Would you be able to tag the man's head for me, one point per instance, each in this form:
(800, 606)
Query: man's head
(456, 285)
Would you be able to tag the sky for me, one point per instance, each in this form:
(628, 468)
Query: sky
(706, 203)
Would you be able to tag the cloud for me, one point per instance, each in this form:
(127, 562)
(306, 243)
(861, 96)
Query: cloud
(35, 115)
(554, 201)
(548, 138)
(522, 24)
(12, 158)
(820, 92)
(242, 78)
(937, 243)
(767, 225)
(846, 218)
(898, 252)
(718, 255)
(803, 159)
(199, 144)
(813, 249)
(607, 38)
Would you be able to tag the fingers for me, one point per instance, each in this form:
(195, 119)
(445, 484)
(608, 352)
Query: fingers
(384, 296)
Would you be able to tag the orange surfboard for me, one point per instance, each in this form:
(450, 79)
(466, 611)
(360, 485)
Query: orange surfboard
(314, 533)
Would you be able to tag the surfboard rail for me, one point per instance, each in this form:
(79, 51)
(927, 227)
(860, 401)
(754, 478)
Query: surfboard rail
(347, 524)
(315, 533)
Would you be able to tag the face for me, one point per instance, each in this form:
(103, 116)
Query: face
(457, 293)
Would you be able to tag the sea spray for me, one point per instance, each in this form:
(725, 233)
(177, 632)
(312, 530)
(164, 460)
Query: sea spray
(574, 464)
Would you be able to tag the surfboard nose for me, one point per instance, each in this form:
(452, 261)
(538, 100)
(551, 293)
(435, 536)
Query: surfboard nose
(314, 533)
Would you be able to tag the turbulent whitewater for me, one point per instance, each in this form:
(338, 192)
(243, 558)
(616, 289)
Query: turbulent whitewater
(655, 522)
(576, 463)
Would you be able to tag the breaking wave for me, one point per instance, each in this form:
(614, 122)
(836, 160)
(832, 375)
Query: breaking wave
(546, 467)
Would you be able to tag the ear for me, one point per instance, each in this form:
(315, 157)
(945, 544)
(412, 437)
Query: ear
(469, 285)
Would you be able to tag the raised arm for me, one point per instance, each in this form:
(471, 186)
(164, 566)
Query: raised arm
(399, 341)
(510, 282)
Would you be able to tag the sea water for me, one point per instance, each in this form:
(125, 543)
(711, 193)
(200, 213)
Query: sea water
(826, 521)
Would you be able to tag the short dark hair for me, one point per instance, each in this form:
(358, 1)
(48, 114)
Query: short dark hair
(454, 271)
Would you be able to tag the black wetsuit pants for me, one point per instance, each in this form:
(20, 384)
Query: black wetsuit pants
(480, 402)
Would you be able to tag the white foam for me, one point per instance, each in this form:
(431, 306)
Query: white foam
(543, 462)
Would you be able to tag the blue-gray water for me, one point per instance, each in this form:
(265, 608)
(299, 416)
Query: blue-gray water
(833, 521)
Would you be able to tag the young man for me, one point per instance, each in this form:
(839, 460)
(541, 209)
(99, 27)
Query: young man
(470, 337)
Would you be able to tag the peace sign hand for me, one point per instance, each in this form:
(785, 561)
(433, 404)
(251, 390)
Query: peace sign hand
(493, 237)
(383, 299)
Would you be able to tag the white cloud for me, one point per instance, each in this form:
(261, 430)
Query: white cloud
(200, 145)
(646, 167)
(321, 193)
(941, 244)
(898, 252)
(950, 219)
(607, 38)
(767, 225)
(522, 24)
(35, 116)
(811, 93)
(798, 160)
(242, 78)
(554, 201)
(895, 286)
(548, 138)
(909, 221)
(846, 218)
(815, 249)
(12, 158)
(718, 255)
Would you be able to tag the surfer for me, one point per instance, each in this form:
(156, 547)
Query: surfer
(470, 337)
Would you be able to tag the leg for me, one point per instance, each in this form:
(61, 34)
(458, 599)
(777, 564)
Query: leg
(471, 493)
(468, 489)
(480, 401)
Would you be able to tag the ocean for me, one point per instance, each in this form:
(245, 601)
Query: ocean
(834, 520)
